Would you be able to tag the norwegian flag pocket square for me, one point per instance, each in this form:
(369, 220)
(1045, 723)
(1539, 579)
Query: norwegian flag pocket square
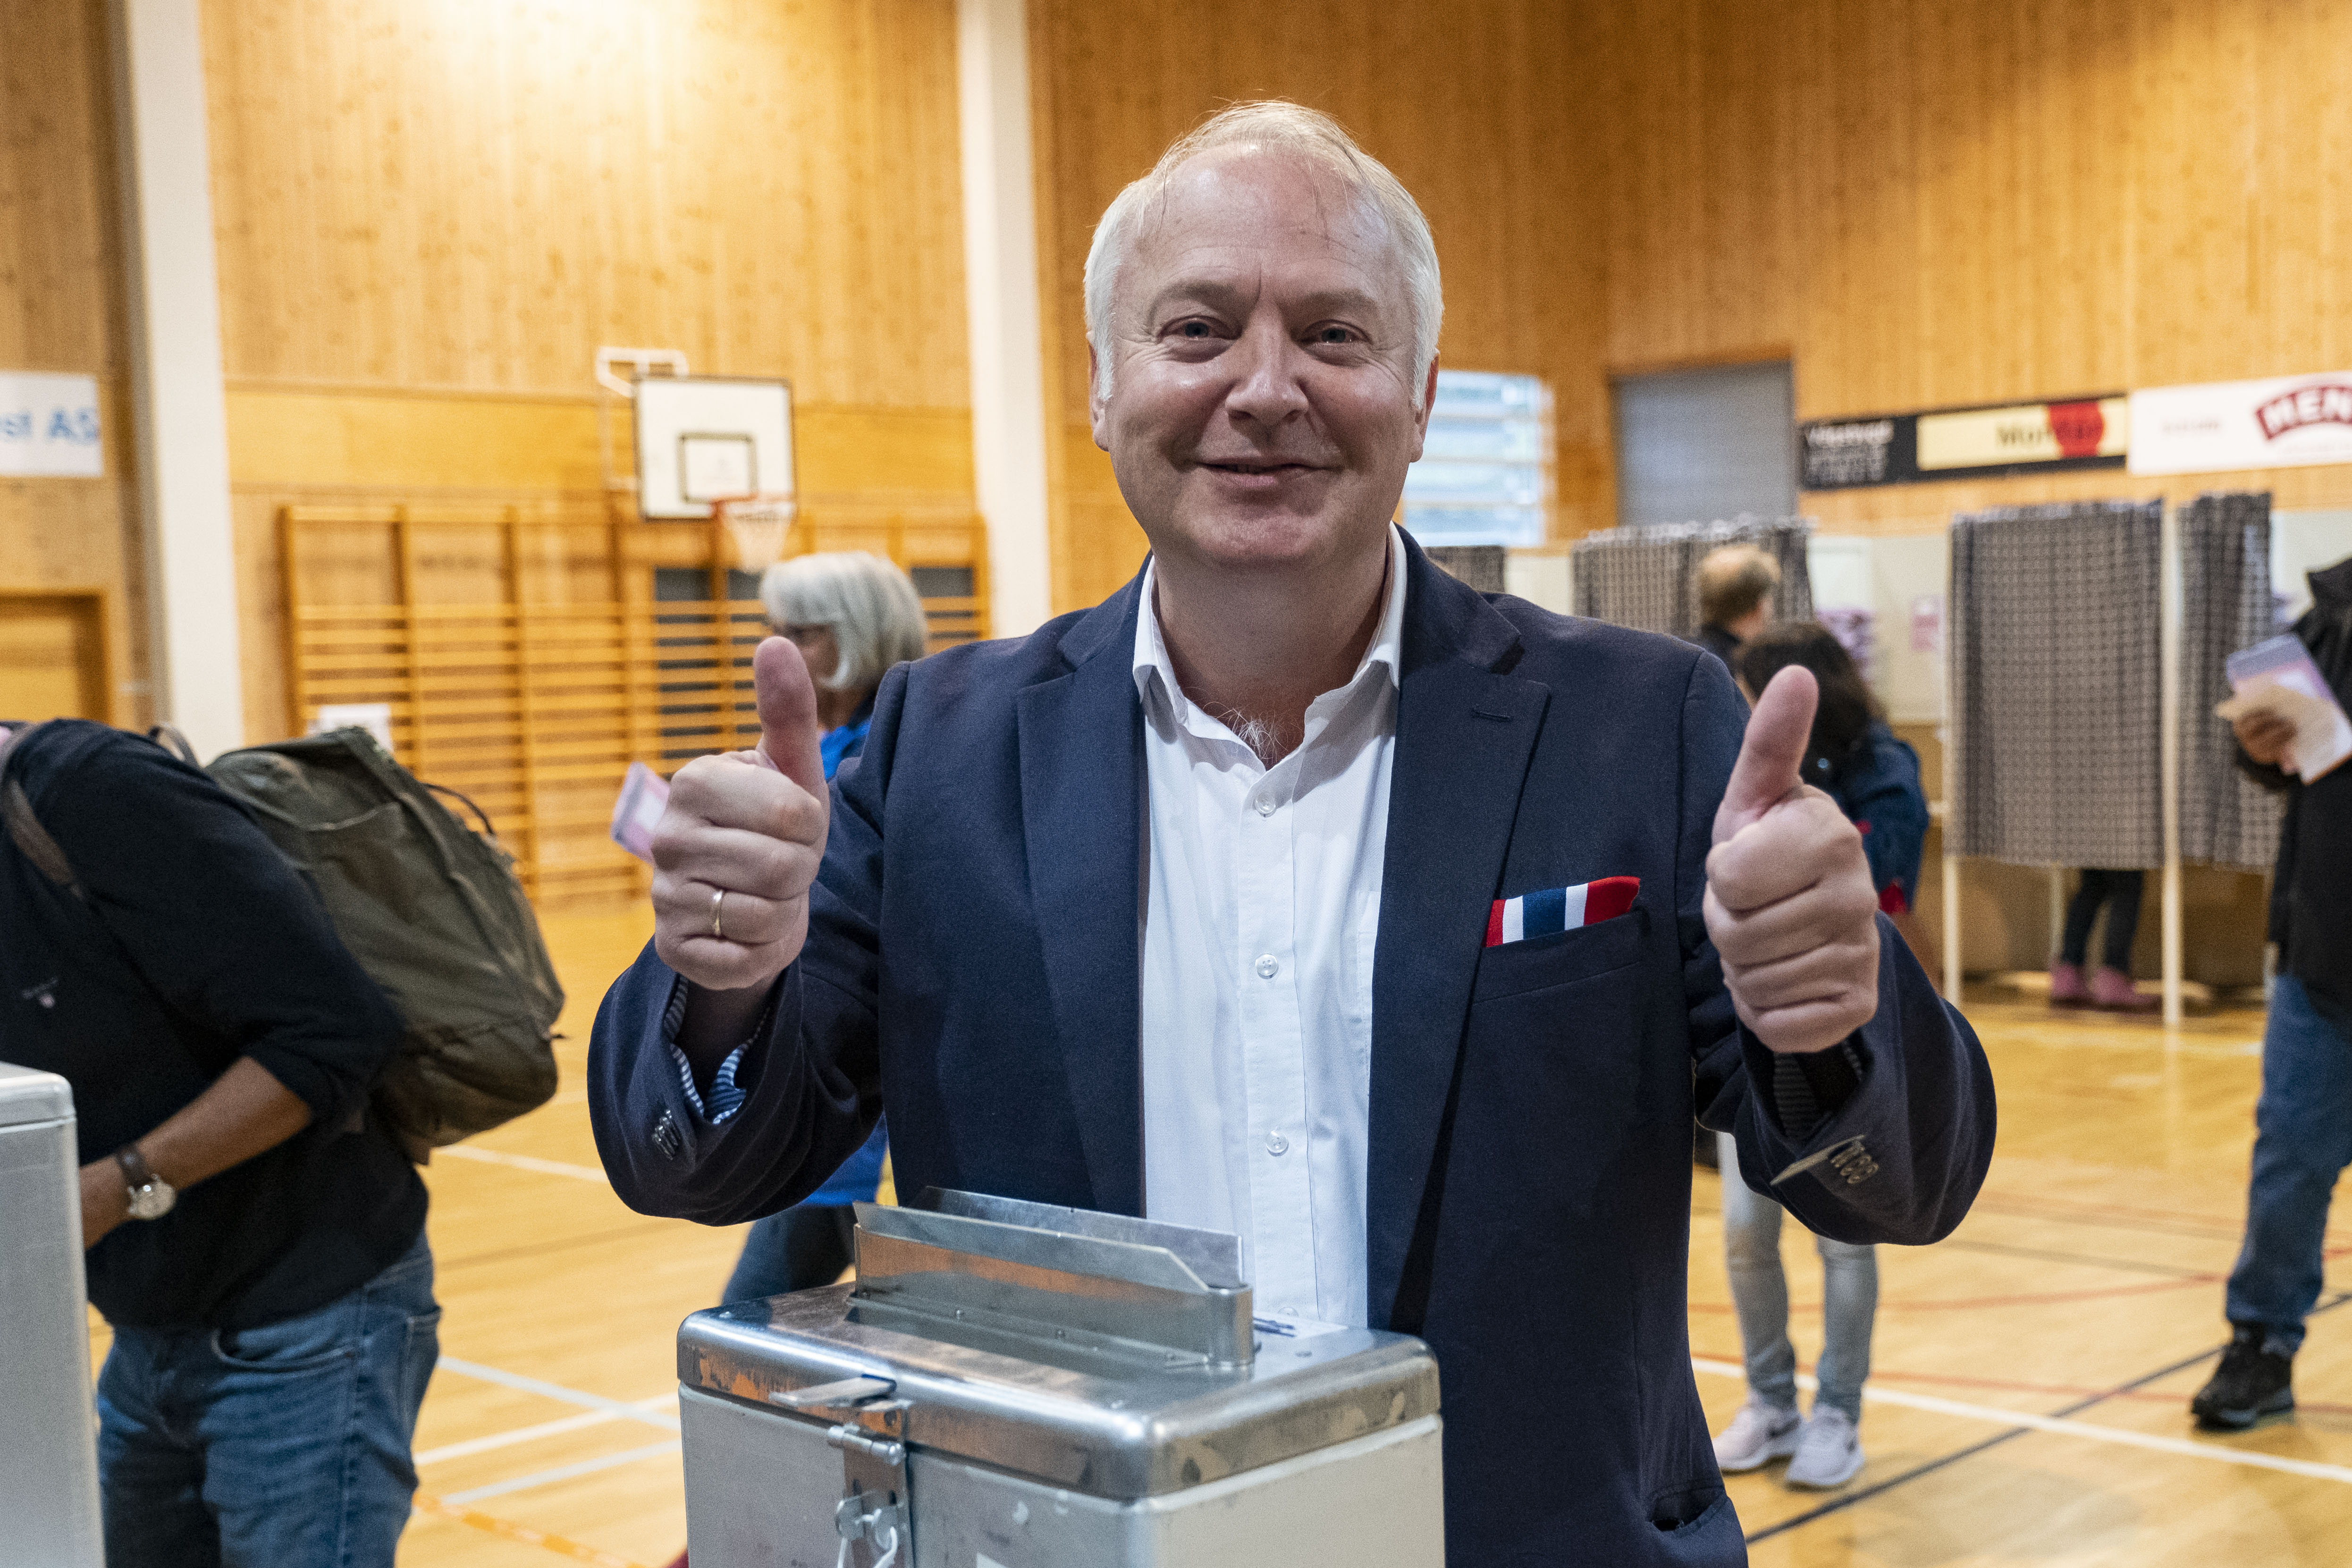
(1559, 909)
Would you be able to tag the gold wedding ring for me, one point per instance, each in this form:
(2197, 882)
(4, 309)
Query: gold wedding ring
(718, 900)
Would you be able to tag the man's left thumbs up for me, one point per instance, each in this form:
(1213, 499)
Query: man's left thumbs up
(1789, 901)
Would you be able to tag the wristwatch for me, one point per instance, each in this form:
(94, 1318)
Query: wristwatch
(152, 1196)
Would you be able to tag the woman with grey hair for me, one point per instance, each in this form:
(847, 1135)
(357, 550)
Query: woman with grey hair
(853, 616)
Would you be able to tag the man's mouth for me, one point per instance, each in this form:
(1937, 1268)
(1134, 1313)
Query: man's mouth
(1257, 465)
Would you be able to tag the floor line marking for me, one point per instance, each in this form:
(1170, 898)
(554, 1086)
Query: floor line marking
(2085, 1429)
(2072, 1390)
(1998, 1439)
(621, 1409)
(497, 1440)
(527, 1163)
(508, 1529)
(561, 1473)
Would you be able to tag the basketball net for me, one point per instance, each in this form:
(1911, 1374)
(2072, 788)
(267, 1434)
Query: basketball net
(759, 525)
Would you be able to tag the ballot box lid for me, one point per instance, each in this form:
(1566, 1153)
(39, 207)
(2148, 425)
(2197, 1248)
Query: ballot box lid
(1026, 1352)
(28, 1094)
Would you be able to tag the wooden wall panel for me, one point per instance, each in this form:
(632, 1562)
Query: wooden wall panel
(431, 212)
(1471, 102)
(1918, 202)
(476, 193)
(1928, 203)
(61, 309)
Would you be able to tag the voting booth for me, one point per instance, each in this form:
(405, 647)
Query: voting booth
(1016, 1386)
(48, 1441)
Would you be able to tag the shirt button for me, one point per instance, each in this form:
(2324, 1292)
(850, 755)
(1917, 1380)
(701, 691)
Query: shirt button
(1266, 805)
(1267, 968)
(1275, 1143)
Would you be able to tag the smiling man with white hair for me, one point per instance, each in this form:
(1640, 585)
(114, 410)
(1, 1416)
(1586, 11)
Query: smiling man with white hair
(1300, 891)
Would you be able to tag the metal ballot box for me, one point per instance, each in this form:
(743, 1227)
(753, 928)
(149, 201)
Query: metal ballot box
(48, 1440)
(1015, 1386)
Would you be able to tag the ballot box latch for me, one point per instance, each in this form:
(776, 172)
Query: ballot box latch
(875, 1517)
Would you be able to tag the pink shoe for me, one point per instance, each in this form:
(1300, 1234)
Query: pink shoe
(2113, 989)
(2066, 987)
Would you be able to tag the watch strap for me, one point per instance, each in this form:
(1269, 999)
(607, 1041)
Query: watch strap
(135, 1169)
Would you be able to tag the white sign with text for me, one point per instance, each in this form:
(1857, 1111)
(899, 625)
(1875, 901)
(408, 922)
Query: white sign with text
(48, 426)
(2285, 422)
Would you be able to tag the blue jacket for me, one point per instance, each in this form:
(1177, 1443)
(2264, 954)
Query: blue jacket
(1878, 785)
(860, 1176)
(975, 960)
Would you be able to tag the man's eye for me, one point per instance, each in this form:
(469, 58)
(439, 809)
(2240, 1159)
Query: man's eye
(1334, 335)
(1193, 330)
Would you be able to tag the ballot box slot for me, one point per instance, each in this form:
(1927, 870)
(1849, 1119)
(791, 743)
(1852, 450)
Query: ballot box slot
(1135, 1300)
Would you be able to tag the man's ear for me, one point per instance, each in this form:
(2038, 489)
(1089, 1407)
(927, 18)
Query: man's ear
(1421, 414)
(1098, 394)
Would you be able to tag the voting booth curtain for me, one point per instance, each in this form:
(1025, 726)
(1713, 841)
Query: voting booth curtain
(2056, 693)
(2225, 581)
(1643, 577)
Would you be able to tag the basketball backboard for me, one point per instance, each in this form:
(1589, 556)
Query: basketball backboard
(704, 437)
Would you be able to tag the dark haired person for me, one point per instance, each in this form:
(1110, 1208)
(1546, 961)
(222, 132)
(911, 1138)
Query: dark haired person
(1875, 779)
(253, 1237)
(2302, 1123)
(1872, 773)
(1736, 583)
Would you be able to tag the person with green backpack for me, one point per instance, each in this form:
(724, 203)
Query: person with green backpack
(226, 968)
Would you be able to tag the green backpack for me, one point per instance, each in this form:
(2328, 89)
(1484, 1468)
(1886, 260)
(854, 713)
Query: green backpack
(431, 910)
(436, 915)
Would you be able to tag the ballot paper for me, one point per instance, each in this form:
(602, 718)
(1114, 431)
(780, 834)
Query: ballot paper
(644, 793)
(2278, 677)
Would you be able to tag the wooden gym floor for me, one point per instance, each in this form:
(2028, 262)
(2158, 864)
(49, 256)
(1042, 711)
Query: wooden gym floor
(2026, 1405)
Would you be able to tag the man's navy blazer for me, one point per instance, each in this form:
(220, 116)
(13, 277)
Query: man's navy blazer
(974, 962)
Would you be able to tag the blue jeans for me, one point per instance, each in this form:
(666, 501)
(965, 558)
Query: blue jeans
(1759, 1292)
(281, 1446)
(2303, 1141)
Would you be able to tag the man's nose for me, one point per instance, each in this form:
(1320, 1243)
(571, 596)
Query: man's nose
(1266, 387)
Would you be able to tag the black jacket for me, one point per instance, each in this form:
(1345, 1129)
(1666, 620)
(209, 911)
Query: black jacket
(196, 943)
(1720, 643)
(2311, 893)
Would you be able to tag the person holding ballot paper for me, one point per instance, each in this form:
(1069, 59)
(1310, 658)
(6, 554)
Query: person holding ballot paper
(2287, 712)
(1300, 891)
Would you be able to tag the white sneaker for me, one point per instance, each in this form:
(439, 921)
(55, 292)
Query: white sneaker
(1829, 1451)
(1758, 1435)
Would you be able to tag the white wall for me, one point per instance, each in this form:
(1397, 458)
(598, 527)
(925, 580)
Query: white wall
(1892, 576)
(2302, 542)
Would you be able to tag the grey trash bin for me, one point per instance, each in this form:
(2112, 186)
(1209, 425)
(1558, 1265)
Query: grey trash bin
(48, 1444)
(1012, 1385)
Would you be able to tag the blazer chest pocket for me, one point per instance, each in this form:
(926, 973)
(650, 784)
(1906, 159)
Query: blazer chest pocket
(1562, 958)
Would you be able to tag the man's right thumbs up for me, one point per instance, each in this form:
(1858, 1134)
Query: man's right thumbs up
(789, 736)
(735, 852)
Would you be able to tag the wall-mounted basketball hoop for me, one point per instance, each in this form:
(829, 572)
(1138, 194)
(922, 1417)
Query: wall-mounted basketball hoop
(759, 525)
(609, 359)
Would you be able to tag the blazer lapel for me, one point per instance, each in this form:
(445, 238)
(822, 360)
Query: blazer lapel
(1081, 747)
(1465, 735)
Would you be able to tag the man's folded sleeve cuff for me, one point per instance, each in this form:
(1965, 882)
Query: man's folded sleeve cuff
(725, 1097)
(1810, 1088)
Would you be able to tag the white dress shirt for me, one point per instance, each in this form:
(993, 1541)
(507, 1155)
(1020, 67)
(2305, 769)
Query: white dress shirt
(1263, 902)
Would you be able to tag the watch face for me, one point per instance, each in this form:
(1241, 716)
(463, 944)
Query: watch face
(153, 1201)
